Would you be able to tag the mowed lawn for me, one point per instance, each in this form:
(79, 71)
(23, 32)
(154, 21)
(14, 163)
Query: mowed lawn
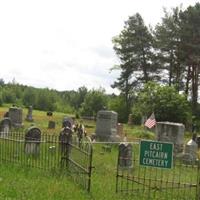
(19, 182)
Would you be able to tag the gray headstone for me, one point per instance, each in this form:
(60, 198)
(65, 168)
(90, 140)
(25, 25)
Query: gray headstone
(15, 115)
(120, 129)
(65, 137)
(29, 116)
(191, 149)
(32, 141)
(50, 113)
(5, 126)
(106, 126)
(125, 155)
(67, 122)
(51, 124)
(6, 114)
(198, 141)
(130, 119)
(171, 132)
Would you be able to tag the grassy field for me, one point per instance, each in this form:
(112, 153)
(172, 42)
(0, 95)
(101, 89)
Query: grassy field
(23, 183)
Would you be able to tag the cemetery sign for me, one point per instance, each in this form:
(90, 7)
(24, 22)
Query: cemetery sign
(156, 154)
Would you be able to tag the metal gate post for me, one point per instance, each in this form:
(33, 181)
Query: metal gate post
(90, 169)
(198, 182)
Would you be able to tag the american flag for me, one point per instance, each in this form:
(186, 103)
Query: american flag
(151, 121)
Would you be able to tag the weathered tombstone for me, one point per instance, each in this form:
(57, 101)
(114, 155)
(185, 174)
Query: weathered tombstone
(5, 126)
(81, 133)
(130, 119)
(125, 155)
(29, 116)
(190, 154)
(49, 113)
(120, 129)
(51, 124)
(198, 141)
(32, 141)
(67, 122)
(15, 115)
(106, 126)
(6, 114)
(65, 138)
(171, 132)
(143, 120)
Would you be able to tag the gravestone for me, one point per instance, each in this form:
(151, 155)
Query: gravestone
(198, 141)
(65, 138)
(15, 115)
(106, 126)
(5, 126)
(29, 116)
(32, 141)
(125, 155)
(49, 113)
(171, 132)
(120, 129)
(51, 124)
(67, 122)
(130, 119)
(6, 114)
(190, 154)
(143, 120)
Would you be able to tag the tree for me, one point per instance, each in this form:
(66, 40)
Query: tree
(94, 101)
(29, 97)
(134, 46)
(164, 101)
(2, 83)
(117, 104)
(46, 100)
(167, 40)
(190, 46)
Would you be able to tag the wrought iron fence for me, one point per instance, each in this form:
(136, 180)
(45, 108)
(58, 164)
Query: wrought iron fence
(181, 182)
(46, 154)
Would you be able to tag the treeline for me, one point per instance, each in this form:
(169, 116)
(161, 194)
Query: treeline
(168, 54)
(82, 102)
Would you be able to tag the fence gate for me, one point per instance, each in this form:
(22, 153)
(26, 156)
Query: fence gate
(48, 152)
(181, 182)
(79, 161)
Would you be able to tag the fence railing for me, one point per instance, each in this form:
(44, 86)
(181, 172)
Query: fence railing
(181, 182)
(47, 154)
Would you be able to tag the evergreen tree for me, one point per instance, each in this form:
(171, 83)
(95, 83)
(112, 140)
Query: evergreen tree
(167, 40)
(190, 46)
(134, 46)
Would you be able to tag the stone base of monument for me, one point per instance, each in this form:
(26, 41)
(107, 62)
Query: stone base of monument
(105, 138)
(17, 125)
(29, 119)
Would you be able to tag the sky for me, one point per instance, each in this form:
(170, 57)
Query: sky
(67, 44)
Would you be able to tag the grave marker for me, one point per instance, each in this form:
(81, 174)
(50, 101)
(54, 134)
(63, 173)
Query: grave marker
(29, 116)
(106, 126)
(32, 141)
(125, 155)
(5, 126)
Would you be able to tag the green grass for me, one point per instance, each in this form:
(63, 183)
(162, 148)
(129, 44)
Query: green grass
(18, 183)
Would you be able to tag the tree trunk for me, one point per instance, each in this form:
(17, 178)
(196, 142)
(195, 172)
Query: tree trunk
(194, 87)
(188, 78)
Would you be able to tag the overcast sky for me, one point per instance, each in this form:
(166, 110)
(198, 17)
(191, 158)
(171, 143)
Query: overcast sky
(67, 44)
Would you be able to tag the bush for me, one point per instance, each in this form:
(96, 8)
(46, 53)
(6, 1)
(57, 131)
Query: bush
(165, 102)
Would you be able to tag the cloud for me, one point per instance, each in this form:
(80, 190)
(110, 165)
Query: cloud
(67, 44)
